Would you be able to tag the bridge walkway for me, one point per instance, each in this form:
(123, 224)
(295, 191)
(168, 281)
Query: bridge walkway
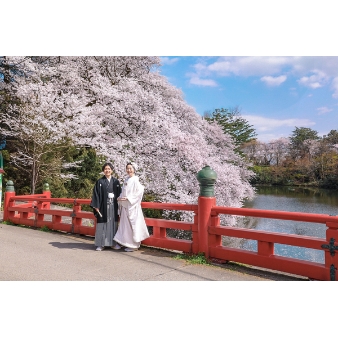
(28, 254)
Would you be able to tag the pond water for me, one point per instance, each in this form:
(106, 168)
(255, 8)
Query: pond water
(300, 199)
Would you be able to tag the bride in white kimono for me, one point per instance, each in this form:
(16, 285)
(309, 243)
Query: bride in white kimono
(132, 228)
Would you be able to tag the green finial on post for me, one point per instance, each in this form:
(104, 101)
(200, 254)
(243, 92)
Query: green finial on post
(207, 179)
(46, 187)
(10, 186)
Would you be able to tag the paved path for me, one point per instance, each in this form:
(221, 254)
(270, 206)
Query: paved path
(28, 254)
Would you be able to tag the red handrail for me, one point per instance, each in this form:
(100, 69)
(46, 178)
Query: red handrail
(285, 215)
(169, 206)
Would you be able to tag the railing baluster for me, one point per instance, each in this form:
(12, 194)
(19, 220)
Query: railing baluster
(265, 248)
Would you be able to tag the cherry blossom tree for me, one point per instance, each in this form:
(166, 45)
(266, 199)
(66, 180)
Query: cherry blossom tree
(33, 122)
(126, 110)
(280, 149)
(267, 153)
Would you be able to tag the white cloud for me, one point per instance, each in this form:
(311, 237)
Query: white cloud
(314, 81)
(273, 81)
(323, 110)
(168, 61)
(221, 67)
(263, 124)
(202, 82)
(245, 65)
(335, 87)
(268, 65)
(311, 71)
(270, 137)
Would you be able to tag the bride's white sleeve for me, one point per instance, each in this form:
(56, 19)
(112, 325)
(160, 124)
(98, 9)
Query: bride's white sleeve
(136, 193)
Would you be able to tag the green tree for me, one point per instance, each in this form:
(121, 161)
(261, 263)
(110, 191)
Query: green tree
(233, 124)
(299, 145)
(86, 168)
(331, 138)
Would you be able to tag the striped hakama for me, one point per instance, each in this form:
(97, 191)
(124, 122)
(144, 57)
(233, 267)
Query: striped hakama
(105, 232)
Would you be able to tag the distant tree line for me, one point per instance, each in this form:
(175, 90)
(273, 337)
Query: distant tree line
(304, 158)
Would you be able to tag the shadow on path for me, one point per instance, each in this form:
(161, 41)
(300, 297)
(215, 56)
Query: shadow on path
(80, 246)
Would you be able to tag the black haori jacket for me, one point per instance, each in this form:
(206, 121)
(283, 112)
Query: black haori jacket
(100, 196)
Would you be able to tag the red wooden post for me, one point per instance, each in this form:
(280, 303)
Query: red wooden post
(76, 221)
(331, 252)
(206, 200)
(47, 193)
(8, 194)
(195, 238)
(205, 205)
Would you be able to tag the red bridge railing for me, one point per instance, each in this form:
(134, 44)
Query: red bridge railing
(159, 238)
(265, 256)
(36, 211)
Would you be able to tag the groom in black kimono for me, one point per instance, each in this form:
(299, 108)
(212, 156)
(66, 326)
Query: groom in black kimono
(104, 203)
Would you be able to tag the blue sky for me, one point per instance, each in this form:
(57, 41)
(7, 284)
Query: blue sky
(275, 94)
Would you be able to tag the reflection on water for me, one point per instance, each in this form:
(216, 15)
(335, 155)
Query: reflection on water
(308, 200)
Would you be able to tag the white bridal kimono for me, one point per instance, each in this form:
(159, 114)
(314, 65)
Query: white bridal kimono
(132, 228)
